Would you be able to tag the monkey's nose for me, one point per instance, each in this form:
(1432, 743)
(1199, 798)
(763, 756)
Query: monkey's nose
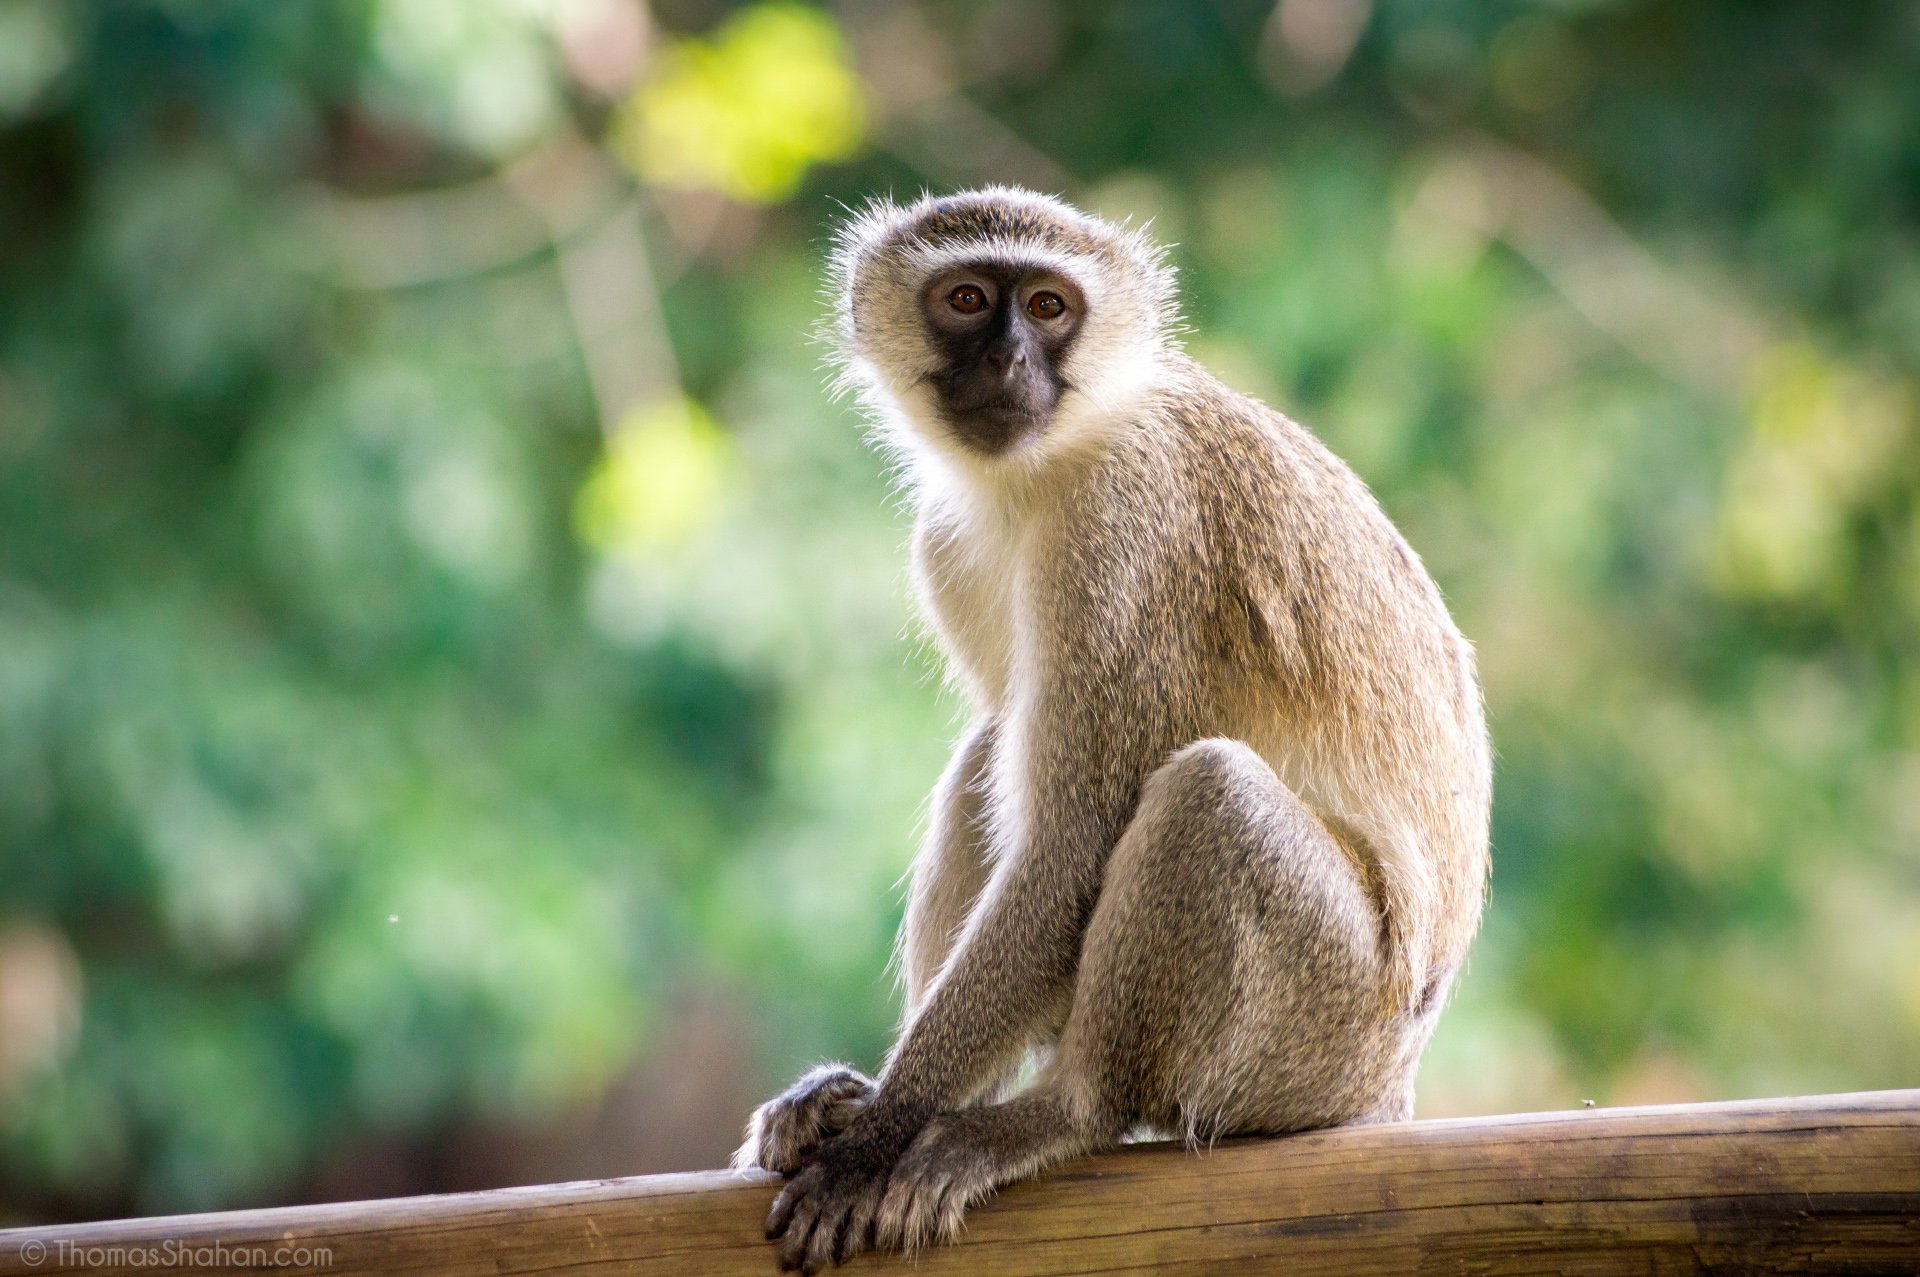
(1008, 362)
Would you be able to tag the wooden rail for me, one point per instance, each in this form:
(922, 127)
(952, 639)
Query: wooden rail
(1826, 1184)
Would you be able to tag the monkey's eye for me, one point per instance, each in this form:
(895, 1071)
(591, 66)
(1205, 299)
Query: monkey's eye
(968, 299)
(1046, 306)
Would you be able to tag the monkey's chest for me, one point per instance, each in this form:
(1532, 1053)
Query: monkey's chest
(976, 619)
(975, 605)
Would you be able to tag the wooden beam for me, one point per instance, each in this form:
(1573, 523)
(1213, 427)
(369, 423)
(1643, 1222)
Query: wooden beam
(1826, 1184)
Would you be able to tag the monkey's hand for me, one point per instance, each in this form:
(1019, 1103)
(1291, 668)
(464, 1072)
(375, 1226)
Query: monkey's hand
(825, 1213)
(951, 1166)
(786, 1130)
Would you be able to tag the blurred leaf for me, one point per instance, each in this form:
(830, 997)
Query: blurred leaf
(749, 111)
(663, 473)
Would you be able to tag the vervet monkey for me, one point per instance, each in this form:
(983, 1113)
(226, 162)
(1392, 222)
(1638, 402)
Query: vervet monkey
(1215, 843)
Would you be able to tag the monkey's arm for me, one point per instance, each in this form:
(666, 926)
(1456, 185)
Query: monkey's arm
(1062, 804)
(1066, 790)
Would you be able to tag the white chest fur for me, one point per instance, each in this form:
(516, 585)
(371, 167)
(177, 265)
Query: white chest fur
(972, 575)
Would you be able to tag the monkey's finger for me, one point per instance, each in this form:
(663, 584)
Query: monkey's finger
(793, 1243)
(783, 1207)
(858, 1234)
(949, 1214)
(922, 1225)
(824, 1243)
(791, 1138)
(886, 1216)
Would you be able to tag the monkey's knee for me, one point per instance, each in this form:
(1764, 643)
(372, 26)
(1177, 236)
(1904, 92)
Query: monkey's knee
(1215, 767)
(1216, 812)
(1232, 958)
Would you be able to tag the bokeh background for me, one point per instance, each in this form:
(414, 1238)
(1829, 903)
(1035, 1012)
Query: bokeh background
(460, 717)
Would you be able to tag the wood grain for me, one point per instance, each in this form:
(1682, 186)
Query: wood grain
(1824, 1184)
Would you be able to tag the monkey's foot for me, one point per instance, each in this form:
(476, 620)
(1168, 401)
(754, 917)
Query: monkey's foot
(787, 1129)
(946, 1170)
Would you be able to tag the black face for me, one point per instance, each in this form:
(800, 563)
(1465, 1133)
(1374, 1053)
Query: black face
(1002, 333)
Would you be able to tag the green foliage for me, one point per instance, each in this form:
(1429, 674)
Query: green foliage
(401, 703)
(748, 112)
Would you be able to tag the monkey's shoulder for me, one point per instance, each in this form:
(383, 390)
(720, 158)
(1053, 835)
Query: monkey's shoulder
(1272, 492)
(1250, 458)
(1306, 564)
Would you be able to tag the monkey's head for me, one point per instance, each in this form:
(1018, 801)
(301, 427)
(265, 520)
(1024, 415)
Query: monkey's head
(997, 323)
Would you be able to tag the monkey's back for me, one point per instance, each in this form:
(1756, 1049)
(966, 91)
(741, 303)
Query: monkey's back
(1340, 663)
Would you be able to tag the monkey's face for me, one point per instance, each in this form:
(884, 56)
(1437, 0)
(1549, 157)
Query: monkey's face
(998, 329)
(1000, 335)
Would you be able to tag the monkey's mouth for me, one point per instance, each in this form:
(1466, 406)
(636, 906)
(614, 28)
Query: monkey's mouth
(992, 419)
(995, 425)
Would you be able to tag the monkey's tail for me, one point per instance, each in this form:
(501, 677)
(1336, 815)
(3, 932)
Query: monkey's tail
(1407, 898)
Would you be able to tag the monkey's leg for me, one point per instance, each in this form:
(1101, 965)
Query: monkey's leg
(947, 877)
(951, 868)
(1229, 983)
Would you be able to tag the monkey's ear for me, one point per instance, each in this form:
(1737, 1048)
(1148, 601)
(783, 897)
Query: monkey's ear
(866, 227)
(858, 240)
